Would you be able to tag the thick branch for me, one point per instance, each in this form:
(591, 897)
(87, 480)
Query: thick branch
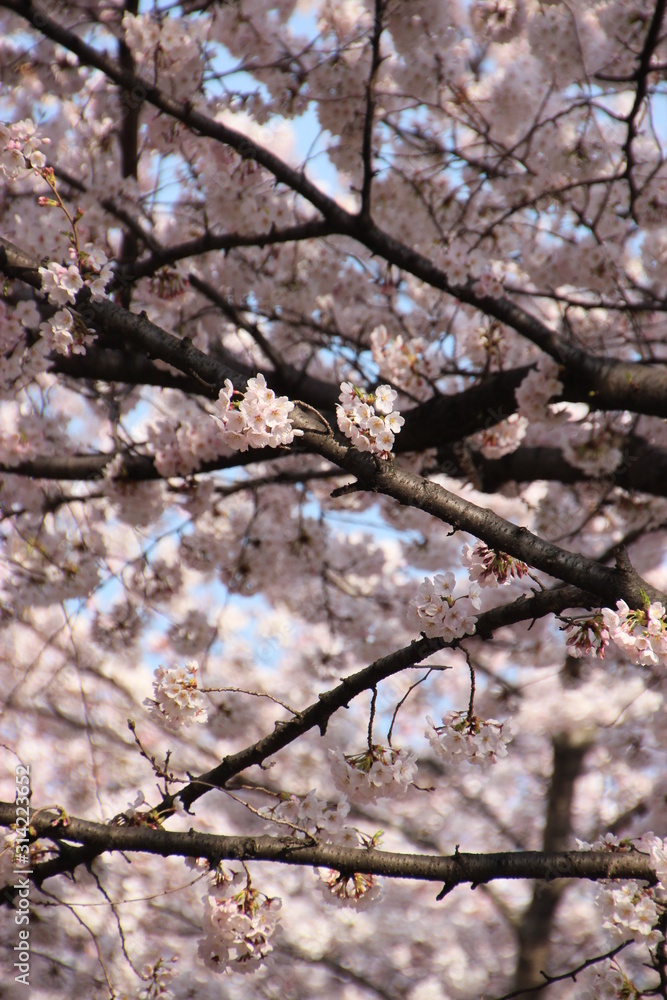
(534, 931)
(410, 490)
(643, 468)
(460, 868)
(373, 474)
(319, 713)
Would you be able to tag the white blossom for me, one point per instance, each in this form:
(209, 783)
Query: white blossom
(355, 891)
(640, 633)
(254, 419)
(376, 773)
(436, 612)
(311, 815)
(238, 924)
(61, 284)
(357, 417)
(461, 737)
(537, 388)
(177, 702)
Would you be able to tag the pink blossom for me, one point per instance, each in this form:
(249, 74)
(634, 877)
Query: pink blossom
(176, 700)
(376, 773)
(61, 284)
(357, 418)
(357, 891)
(464, 738)
(641, 634)
(238, 925)
(436, 612)
(490, 568)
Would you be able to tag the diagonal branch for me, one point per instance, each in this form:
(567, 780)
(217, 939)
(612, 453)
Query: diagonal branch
(318, 714)
(372, 473)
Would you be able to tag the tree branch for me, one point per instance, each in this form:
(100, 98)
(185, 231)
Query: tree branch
(460, 868)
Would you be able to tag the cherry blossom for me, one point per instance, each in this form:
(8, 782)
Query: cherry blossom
(378, 772)
(436, 612)
(489, 568)
(61, 284)
(587, 636)
(406, 363)
(19, 142)
(504, 437)
(257, 419)
(630, 909)
(462, 737)
(242, 243)
(640, 634)
(610, 984)
(176, 699)
(357, 416)
(310, 815)
(537, 388)
(355, 891)
(63, 335)
(238, 924)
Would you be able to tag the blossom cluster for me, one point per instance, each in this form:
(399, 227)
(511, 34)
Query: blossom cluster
(595, 451)
(62, 332)
(368, 419)
(610, 983)
(169, 48)
(436, 612)
(465, 737)
(405, 362)
(177, 701)
(490, 568)
(502, 438)
(657, 849)
(641, 633)
(629, 908)
(254, 419)
(376, 773)
(587, 636)
(158, 977)
(91, 267)
(313, 816)
(537, 388)
(61, 283)
(497, 20)
(20, 142)
(179, 451)
(358, 890)
(532, 397)
(238, 924)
